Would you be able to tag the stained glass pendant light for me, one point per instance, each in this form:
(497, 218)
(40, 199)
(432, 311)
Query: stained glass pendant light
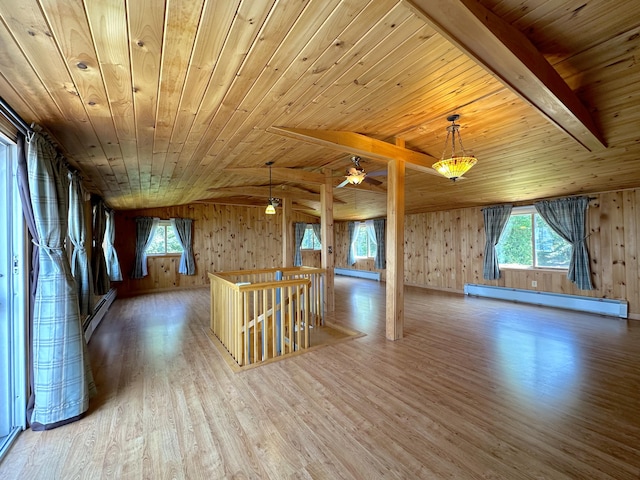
(271, 209)
(454, 166)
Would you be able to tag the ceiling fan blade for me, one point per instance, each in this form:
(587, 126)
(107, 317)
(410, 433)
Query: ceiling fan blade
(343, 184)
(377, 173)
(372, 181)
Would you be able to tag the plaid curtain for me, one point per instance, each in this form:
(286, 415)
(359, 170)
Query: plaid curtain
(101, 281)
(80, 267)
(299, 228)
(182, 230)
(111, 256)
(62, 378)
(567, 217)
(495, 219)
(379, 225)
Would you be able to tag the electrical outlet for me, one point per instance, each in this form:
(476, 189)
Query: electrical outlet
(534, 283)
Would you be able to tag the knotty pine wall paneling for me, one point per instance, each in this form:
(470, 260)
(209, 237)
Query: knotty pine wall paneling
(224, 238)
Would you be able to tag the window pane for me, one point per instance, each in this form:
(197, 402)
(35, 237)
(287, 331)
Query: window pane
(515, 247)
(173, 245)
(307, 240)
(361, 242)
(157, 245)
(373, 248)
(552, 250)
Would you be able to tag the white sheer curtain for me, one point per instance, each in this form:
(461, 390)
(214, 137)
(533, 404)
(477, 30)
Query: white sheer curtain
(351, 255)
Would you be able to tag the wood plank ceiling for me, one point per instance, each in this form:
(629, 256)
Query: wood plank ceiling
(156, 101)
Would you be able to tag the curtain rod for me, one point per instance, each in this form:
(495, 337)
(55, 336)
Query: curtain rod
(15, 119)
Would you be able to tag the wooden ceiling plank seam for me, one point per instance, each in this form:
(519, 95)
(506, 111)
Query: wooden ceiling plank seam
(31, 41)
(212, 34)
(334, 95)
(146, 26)
(300, 93)
(255, 116)
(275, 29)
(341, 55)
(70, 30)
(179, 36)
(506, 52)
(295, 69)
(232, 55)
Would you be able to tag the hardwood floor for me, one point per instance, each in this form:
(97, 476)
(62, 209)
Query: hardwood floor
(477, 388)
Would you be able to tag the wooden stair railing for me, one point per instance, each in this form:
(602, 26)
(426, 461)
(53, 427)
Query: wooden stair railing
(262, 320)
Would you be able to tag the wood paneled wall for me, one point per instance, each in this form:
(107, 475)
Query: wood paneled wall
(443, 250)
(224, 238)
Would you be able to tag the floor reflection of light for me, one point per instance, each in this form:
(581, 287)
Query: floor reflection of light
(541, 366)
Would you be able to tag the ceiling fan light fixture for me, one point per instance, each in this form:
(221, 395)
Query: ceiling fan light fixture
(355, 175)
(454, 166)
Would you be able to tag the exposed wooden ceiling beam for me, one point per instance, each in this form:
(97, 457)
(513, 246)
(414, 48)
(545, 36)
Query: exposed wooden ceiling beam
(358, 144)
(278, 191)
(281, 174)
(243, 202)
(508, 54)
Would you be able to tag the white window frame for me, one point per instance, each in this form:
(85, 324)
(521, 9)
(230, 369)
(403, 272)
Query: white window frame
(309, 231)
(362, 226)
(529, 210)
(166, 224)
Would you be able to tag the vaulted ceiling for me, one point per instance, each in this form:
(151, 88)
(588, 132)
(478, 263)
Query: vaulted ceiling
(169, 102)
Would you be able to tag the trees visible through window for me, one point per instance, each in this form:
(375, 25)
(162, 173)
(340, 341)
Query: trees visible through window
(365, 246)
(529, 242)
(164, 240)
(310, 241)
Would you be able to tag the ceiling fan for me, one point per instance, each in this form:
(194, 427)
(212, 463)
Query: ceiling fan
(355, 175)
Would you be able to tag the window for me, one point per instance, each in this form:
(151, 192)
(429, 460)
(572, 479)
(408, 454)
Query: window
(164, 240)
(528, 242)
(364, 245)
(310, 241)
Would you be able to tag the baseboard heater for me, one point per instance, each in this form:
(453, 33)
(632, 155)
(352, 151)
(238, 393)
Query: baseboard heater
(602, 306)
(93, 320)
(352, 272)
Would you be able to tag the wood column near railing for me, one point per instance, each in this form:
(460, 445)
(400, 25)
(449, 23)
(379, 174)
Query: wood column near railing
(395, 250)
(287, 233)
(326, 227)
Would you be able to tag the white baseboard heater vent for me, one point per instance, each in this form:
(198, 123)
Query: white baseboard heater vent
(352, 272)
(93, 320)
(602, 306)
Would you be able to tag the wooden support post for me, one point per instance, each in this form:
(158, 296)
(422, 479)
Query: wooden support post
(395, 250)
(287, 233)
(326, 228)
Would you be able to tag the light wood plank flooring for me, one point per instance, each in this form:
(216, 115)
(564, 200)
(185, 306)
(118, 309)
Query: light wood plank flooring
(477, 388)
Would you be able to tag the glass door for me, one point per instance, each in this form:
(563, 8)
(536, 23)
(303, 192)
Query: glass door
(13, 311)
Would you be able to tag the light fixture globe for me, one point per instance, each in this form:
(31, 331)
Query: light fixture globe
(270, 210)
(454, 166)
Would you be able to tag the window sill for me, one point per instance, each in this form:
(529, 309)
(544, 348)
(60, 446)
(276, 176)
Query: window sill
(160, 255)
(536, 269)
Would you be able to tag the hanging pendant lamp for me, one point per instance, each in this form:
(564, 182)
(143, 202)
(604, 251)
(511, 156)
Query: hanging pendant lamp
(271, 208)
(454, 166)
